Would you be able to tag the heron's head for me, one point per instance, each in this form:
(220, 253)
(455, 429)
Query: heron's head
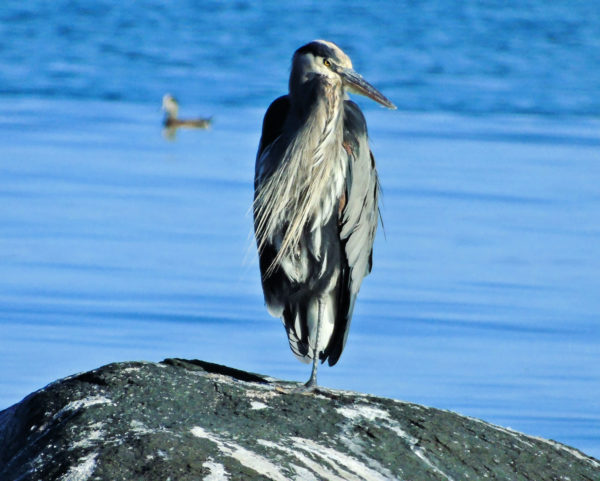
(170, 105)
(326, 59)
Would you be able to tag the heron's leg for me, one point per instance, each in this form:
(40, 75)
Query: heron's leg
(312, 382)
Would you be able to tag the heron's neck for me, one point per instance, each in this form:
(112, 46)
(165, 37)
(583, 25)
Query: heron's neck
(317, 110)
(317, 152)
(318, 98)
(306, 186)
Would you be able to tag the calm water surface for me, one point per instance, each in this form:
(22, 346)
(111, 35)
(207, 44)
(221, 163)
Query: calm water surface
(116, 244)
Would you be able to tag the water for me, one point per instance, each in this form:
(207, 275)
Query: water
(116, 244)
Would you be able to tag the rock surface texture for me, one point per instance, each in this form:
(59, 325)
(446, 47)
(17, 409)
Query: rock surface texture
(192, 420)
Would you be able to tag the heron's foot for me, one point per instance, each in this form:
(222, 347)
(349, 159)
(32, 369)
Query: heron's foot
(308, 388)
(311, 383)
(294, 388)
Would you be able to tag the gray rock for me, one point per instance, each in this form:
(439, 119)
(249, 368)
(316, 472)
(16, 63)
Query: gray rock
(192, 420)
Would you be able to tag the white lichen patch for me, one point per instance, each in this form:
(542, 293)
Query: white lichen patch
(93, 435)
(139, 427)
(82, 404)
(313, 466)
(262, 395)
(319, 461)
(303, 474)
(415, 448)
(357, 449)
(365, 411)
(85, 403)
(251, 460)
(257, 405)
(83, 471)
(131, 369)
(370, 413)
(217, 472)
(346, 466)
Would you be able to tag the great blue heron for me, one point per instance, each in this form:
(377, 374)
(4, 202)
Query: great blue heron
(315, 202)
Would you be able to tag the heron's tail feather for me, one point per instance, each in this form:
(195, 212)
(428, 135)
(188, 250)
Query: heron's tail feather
(301, 321)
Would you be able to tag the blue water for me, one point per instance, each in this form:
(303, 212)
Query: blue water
(117, 244)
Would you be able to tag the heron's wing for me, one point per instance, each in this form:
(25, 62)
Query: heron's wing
(267, 160)
(272, 128)
(358, 220)
(360, 215)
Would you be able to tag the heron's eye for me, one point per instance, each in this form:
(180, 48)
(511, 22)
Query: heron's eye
(327, 63)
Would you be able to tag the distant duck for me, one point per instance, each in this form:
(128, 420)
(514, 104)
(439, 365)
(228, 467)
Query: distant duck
(171, 108)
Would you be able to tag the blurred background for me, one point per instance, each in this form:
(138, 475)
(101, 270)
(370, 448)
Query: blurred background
(119, 244)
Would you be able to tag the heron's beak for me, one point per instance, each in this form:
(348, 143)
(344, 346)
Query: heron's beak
(357, 84)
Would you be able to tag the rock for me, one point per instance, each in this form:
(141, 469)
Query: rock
(193, 420)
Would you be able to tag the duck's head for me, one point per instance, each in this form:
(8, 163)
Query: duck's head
(170, 105)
